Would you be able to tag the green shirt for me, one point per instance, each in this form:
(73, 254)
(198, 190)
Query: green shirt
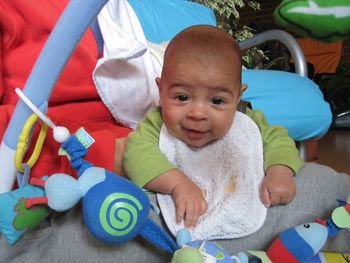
(143, 160)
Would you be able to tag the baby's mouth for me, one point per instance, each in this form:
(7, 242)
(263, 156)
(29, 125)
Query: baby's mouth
(194, 134)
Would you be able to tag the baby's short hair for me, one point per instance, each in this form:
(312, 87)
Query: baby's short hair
(204, 42)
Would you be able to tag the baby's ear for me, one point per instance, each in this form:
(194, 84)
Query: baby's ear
(158, 83)
(243, 89)
(158, 80)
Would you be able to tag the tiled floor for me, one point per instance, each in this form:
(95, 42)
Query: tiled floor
(334, 150)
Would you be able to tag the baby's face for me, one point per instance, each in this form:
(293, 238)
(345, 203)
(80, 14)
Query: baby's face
(199, 100)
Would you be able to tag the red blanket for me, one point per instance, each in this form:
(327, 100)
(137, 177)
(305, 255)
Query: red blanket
(74, 103)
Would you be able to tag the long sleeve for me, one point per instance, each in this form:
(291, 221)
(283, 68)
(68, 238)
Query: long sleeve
(279, 148)
(143, 160)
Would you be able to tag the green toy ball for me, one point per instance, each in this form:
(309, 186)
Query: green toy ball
(187, 254)
(323, 20)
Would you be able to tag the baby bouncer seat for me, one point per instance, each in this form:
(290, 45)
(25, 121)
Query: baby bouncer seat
(133, 31)
(133, 34)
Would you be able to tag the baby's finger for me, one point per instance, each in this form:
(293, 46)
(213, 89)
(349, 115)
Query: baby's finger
(198, 210)
(286, 199)
(204, 207)
(191, 216)
(265, 195)
(180, 212)
(275, 199)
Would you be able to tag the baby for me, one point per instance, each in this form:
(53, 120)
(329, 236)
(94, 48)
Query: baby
(200, 89)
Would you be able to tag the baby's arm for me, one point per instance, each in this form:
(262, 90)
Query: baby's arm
(120, 144)
(188, 197)
(148, 167)
(281, 162)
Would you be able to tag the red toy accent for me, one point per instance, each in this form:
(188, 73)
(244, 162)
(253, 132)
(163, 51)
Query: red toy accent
(347, 208)
(35, 201)
(320, 221)
(278, 253)
(37, 182)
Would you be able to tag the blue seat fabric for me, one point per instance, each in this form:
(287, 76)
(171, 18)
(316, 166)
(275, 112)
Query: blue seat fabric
(286, 99)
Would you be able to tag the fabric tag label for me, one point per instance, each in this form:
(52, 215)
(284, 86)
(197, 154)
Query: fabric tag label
(84, 138)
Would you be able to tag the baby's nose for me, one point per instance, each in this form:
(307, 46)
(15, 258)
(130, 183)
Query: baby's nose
(198, 112)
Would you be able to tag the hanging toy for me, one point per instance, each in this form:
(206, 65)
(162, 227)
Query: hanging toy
(114, 209)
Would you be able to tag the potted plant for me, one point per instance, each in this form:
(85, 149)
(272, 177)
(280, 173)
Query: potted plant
(227, 13)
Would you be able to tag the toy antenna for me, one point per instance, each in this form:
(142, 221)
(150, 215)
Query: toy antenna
(60, 133)
(35, 109)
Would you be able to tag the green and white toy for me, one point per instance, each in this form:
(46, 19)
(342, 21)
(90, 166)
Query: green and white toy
(323, 20)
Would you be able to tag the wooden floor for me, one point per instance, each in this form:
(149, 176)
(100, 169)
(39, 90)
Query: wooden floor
(334, 150)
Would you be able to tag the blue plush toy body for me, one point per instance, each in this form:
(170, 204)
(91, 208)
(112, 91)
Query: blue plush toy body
(114, 209)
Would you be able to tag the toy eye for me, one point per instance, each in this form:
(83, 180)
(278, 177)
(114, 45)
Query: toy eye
(307, 225)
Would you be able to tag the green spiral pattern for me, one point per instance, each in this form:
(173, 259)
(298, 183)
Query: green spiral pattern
(126, 207)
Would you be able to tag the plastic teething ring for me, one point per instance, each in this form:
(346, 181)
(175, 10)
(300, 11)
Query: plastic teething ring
(23, 141)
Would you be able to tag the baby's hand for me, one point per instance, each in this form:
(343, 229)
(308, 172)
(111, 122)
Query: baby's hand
(278, 186)
(189, 202)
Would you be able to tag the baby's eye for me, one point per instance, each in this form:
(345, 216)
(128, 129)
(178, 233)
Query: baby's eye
(217, 101)
(182, 97)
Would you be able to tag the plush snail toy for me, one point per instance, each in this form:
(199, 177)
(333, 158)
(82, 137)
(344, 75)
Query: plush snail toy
(114, 209)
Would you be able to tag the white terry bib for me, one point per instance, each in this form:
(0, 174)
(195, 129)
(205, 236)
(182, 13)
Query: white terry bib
(229, 171)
